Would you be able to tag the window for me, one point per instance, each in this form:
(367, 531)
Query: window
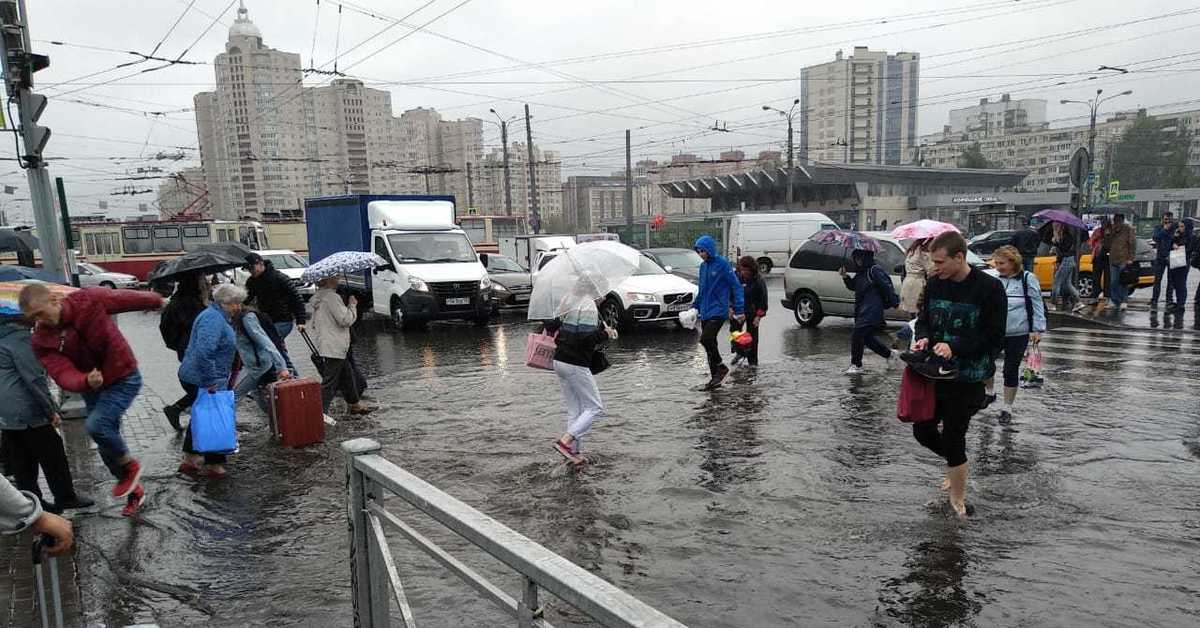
(137, 240)
(166, 239)
(194, 236)
(890, 257)
(380, 247)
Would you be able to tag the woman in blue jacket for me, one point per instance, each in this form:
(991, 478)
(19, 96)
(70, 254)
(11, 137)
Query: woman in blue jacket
(720, 298)
(873, 294)
(208, 363)
(1026, 321)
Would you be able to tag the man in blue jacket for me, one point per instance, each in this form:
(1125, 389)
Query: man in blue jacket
(720, 298)
(1164, 238)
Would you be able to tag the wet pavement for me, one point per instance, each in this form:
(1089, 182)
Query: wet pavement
(791, 496)
(1141, 315)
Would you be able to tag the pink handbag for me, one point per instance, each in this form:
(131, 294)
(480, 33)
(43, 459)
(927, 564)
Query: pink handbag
(539, 351)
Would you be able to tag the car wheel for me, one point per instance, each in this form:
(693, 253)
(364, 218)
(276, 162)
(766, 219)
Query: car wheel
(108, 284)
(397, 314)
(1087, 285)
(765, 265)
(808, 309)
(613, 314)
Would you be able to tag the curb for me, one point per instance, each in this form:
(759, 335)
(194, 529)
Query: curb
(1060, 319)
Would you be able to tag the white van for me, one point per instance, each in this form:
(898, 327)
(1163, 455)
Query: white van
(772, 238)
(527, 250)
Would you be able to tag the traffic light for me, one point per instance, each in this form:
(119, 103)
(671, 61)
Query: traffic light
(20, 65)
(32, 105)
(1075, 201)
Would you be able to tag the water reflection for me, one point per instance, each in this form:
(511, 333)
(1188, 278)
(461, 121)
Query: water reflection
(728, 421)
(932, 593)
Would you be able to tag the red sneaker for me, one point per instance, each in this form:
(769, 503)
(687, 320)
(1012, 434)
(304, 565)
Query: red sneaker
(188, 467)
(130, 476)
(134, 501)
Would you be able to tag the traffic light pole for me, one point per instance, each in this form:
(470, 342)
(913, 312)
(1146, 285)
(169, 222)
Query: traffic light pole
(19, 64)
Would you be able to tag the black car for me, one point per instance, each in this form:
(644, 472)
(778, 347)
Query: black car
(511, 285)
(986, 243)
(683, 263)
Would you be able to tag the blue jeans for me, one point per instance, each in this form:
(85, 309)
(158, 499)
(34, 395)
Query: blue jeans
(104, 410)
(283, 329)
(1177, 281)
(1120, 293)
(248, 383)
(1064, 280)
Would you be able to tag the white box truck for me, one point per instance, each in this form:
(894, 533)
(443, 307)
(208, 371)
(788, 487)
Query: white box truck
(527, 250)
(772, 238)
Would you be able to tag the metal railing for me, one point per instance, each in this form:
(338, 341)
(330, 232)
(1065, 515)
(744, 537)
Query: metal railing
(375, 581)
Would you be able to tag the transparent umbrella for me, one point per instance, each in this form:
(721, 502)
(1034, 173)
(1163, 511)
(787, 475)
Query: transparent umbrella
(579, 276)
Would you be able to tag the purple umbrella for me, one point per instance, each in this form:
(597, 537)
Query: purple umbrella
(850, 239)
(1063, 216)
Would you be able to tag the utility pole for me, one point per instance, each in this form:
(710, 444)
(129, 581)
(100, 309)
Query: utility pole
(1093, 106)
(19, 65)
(507, 174)
(628, 183)
(470, 189)
(791, 164)
(535, 218)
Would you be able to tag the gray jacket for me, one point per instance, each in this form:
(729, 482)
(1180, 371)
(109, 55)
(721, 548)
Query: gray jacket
(23, 385)
(330, 324)
(18, 510)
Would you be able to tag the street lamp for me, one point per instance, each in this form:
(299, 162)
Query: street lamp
(1093, 105)
(788, 115)
(503, 124)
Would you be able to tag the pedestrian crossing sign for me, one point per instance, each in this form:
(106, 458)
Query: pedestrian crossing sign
(1114, 190)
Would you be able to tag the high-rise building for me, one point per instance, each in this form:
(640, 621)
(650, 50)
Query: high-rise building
(1002, 117)
(860, 109)
(547, 169)
(349, 131)
(434, 154)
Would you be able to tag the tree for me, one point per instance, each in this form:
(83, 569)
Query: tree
(972, 157)
(1153, 153)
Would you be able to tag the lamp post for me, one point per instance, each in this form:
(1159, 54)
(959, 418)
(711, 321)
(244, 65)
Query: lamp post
(503, 124)
(788, 115)
(1093, 106)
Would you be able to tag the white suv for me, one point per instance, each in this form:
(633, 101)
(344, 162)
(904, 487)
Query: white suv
(651, 295)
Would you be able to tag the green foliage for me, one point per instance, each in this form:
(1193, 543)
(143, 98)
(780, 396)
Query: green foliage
(1153, 153)
(972, 157)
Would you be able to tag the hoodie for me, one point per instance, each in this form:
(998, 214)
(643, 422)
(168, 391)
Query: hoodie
(719, 285)
(873, 290)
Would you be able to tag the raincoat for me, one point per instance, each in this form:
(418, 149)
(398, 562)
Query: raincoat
(719, 285)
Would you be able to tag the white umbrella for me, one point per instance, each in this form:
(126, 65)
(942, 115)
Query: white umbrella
(579, 276)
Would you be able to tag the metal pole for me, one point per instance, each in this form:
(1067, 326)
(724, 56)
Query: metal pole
(534, 216)
(628, 183)
(507, 172)
(1091, 154)
(67, 235)
(470, 189)
(791, 164)
(365, 615)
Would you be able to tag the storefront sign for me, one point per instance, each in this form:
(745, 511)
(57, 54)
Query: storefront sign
(975, 200)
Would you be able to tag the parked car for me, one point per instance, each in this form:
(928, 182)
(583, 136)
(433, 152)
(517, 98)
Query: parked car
(1043, 267)
(772, 238)
(683, 263)
(813, 288)
(287, 262)
(987, 242)
(651, 295)
(511, 284)
(93, 276)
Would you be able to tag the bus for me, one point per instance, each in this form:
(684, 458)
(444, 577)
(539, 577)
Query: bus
(485, 231)
(288, 234)
(135, 248)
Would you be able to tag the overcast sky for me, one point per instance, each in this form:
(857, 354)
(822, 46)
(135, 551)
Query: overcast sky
(669, 68)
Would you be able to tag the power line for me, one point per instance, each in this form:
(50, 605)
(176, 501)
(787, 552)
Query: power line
(172, 29)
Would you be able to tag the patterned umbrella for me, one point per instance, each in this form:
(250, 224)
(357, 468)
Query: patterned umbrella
(341, 263)
(852, 240)
(922, 229)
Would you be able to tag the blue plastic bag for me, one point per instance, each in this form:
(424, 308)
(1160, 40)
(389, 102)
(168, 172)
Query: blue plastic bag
(214, 427)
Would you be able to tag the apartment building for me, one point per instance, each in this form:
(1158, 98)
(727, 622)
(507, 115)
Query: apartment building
(860, 109)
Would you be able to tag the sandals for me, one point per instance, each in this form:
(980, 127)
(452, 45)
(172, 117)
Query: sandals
(565, 451)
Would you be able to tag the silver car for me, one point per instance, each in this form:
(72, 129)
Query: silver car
(813, 288)
(93, 276)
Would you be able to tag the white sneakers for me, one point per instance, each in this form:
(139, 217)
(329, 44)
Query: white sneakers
(854, 370)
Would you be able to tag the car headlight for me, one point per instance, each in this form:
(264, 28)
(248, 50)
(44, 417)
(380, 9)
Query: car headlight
(418, 284)
(497, 287)
(485, 284)
(640, 297)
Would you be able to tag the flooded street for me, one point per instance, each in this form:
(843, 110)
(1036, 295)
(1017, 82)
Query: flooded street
(791, 496)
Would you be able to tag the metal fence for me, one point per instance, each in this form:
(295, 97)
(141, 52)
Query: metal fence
(375, 580)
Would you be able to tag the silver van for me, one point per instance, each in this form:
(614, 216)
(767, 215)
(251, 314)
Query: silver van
(813, 289)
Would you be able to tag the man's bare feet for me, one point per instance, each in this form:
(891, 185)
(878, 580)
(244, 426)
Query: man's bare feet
(945, 485)
(958, 489)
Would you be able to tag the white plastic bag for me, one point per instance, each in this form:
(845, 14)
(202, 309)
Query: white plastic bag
(687, 318)
(1177, 259)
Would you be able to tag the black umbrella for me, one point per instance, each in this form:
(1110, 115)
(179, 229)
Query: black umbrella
(229, 249)
(20, 242)
(199, 261)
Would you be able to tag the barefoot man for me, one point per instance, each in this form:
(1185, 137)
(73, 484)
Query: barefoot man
(79, 344)
(963, 322)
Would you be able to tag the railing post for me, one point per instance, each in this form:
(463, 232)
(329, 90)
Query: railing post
(529, 607)
(361, 585)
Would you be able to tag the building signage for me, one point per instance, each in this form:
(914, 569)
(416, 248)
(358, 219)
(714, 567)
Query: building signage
(975, 200)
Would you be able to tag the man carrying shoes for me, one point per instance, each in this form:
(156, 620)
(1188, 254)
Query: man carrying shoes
(962, 323)
(78, 342)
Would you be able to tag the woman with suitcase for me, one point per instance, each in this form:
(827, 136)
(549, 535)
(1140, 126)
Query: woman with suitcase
(330, 330)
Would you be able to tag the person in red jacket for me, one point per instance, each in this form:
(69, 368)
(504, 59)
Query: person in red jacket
(78, 342)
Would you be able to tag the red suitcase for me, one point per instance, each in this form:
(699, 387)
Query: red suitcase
(294, 409)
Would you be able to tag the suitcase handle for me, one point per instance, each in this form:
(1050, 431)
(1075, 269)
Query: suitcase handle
(311, 347)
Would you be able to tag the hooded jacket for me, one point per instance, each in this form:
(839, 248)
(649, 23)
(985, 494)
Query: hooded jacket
(274, 295)
(87, 337)
(719, 285)
(873, 291)
(23, 384)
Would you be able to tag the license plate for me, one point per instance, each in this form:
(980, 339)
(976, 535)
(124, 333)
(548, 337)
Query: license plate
(459, 301)
(678, 307)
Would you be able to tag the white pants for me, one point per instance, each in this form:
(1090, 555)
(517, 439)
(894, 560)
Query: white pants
(582, 398)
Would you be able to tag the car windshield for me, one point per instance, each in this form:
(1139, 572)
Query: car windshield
(286, 261)
(680, 260)
(92, 268)
(647, 267)
(502, 264)
(432, 248)
(981, 237)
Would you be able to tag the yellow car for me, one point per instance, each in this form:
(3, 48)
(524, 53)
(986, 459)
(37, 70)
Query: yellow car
(1043, 267)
